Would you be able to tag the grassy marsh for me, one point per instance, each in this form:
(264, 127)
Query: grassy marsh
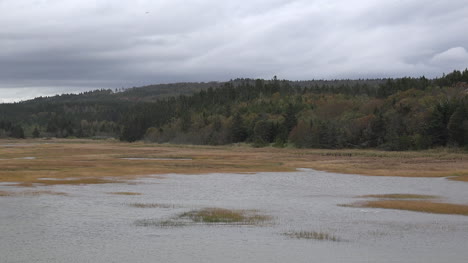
(91, 161)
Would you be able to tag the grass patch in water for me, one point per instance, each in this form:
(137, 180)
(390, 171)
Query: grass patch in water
(399, 196)
(125, 193)
(151, 205)
(216, 216)
(225, 216)
(461, 177)
(416, 206)
(312, 235)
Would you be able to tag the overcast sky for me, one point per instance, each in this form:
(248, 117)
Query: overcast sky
(57, 46)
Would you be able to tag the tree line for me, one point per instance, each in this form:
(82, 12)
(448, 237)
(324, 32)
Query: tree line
(392, 114)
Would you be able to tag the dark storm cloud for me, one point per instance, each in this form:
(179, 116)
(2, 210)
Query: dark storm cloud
(49, 46)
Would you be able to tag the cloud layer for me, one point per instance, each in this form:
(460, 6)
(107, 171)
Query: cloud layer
(70, 45)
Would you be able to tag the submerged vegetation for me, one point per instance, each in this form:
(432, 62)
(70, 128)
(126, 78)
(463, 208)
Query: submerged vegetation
(312, 235)
(390, 114)
(159, 223)
(151, 205)
(31, 193)
(125, 193)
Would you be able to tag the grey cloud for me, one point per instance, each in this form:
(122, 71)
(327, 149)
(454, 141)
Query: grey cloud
(454, 57)
(71, 45)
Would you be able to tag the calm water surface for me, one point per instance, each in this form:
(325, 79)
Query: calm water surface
(91, 225)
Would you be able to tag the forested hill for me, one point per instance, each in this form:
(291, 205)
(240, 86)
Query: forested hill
(394, 114)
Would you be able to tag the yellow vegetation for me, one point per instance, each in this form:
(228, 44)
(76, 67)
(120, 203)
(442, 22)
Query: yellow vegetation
(90, 161)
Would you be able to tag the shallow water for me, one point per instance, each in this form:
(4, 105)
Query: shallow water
(20, 158)
(91, 225)
(21, 144)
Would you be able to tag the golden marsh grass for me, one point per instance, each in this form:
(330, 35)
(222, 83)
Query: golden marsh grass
(91, 161)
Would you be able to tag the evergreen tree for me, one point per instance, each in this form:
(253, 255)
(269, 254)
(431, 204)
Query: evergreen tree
(262, 133)
(376, 131)
(290, 119)
(455, 127)
(437, 126)
(238, 130)
(36, 133)
(17, 132)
